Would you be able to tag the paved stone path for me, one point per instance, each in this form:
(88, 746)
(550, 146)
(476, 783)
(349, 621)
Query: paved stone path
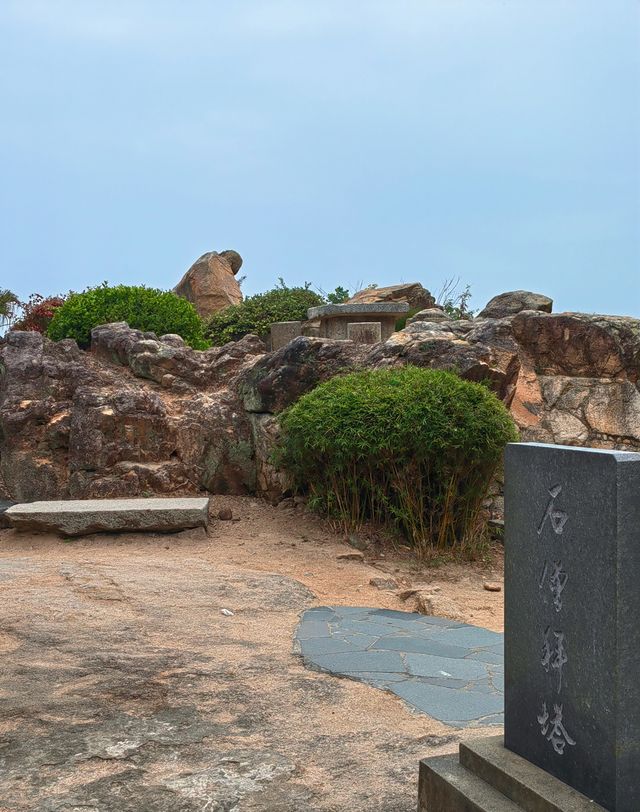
(449, 670)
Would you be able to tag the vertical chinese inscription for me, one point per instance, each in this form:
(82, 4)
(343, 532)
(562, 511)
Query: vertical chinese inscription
(554, 651)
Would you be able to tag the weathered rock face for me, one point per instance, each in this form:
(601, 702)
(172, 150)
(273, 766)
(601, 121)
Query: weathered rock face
(515, 301)
(465, 347)
(278, 379)
(413, 293)
(580, 345)
(136, 416)
(141, 415)
(210, 283)
(432, 314)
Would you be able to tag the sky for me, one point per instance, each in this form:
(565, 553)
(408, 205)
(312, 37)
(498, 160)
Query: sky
(336, 142)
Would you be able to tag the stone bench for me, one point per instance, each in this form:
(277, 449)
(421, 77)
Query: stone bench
(82, 516)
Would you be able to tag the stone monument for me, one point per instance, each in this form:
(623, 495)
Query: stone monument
(335, 318)
(365, 332)
(282, 332)
(572, 643)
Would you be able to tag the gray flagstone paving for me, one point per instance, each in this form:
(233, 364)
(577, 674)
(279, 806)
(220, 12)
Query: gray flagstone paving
(451, 671)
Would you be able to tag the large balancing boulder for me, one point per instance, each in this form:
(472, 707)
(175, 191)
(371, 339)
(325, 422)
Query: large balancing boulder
(210, 284)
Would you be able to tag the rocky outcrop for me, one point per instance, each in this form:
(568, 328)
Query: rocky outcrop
(476, 351)
(210, 283)
(433, 314)
(142, 414)
(278, 379)
(168, 360)
(581, 345)
(136, 416)
(515, 301)
(413, 293)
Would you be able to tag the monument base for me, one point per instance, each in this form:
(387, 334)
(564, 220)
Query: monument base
(486, 777)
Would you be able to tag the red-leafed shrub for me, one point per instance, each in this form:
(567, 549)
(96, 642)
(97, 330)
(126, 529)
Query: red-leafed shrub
(38, 312)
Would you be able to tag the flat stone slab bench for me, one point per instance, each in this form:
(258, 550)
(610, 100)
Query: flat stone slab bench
(80, 517)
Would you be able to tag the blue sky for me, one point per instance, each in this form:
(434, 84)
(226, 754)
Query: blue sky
(330, 141)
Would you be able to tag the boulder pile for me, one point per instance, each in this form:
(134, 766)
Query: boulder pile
(142, 414)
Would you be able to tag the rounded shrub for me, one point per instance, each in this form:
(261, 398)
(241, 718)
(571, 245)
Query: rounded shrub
(257, 313)
(142, 308)
(411, 446)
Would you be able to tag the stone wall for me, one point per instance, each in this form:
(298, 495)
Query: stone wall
(146, 415)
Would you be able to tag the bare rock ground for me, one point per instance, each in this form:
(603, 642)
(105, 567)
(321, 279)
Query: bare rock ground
(124, 687)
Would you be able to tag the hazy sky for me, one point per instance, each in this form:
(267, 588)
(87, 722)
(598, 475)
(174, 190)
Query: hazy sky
(334, 141)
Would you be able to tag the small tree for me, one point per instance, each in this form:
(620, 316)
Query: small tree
(454, 300)
(38, 312)
(339, 296)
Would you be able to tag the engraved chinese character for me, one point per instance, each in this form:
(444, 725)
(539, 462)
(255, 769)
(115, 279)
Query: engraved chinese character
(558, 518)
(543, 720)
(554, 654)
(557, 583)
(546, 651)
(543, 577)
(559, 658)
(558, 735)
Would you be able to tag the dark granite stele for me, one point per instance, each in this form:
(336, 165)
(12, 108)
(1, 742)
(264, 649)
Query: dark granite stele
(451, 671)
(572, 617)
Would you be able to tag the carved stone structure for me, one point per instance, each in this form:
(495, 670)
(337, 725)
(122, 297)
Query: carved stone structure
(334, 318)
(572, 617)
(487, 776)
(282, 332)
(365, 332)
(572, 642)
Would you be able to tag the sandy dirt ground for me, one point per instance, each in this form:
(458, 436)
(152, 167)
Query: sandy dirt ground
(124, 687)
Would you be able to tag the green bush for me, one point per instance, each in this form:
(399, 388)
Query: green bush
(411, 446)
(257, 313)
(142, 308)
(339, 295)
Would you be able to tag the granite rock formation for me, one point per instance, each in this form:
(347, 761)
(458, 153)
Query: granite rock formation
(413, 293)
(210, 283)
(515, 301)
(141, 414)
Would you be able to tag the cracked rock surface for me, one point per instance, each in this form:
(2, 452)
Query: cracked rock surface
(452, 671)
(123, 686)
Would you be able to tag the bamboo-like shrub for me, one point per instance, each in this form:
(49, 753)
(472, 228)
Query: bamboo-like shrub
(409, 446)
